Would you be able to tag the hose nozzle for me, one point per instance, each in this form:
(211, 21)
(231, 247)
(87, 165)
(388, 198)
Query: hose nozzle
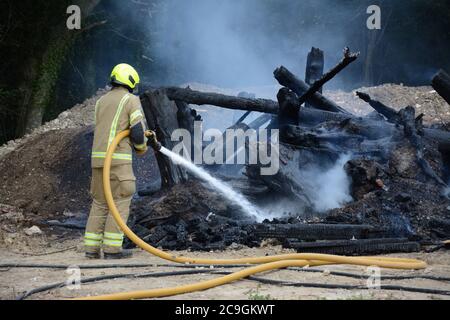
(152, 140)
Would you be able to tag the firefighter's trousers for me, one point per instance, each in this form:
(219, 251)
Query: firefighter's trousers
(101, 230)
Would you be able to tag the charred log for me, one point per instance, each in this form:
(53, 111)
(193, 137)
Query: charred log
(229, 102)
(312, 232)
(413, 133)
(390, 114)
(314, 68)
(307, 116)
(186, 116)
(441, 83)
(289, 80)
(355, 247)
(288, 108)
(348, 58)
(161, 116)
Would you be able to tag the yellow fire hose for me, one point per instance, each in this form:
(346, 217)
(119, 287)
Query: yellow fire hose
(264, 263)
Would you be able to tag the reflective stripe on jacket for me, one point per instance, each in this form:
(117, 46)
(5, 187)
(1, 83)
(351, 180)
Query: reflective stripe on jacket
(116, 111)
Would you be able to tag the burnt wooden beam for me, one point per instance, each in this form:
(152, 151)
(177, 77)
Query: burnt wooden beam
(306, 115)
(441, 83)
(288, 113)
(162, 116)
(289, 80)
(348, 58)
(220, 100)
(313, 232)
(314, 68)
(390, 113)
(412, 130)
(355, 247)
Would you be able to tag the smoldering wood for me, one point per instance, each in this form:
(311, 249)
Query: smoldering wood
(229, 102)
(441, 83)
(390, 113)
(314, 68)
(408, 119)
(355, 247)
(313, 232)
(370, 127)
(315, 63)
(336, 141)
(393, 117)
(288, 112)
(288, 180)
(348, 58)
(187, 117)
(161, 116)
(289, 80)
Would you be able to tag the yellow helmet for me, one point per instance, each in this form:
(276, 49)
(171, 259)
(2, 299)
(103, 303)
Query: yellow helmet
(126, 75)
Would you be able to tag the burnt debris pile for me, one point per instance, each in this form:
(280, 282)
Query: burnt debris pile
(346, 184)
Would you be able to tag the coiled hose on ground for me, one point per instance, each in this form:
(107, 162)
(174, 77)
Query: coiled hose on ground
(264, 264)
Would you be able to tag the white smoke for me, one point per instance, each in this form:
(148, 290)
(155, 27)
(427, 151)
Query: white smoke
(237, 43)
(327, 189)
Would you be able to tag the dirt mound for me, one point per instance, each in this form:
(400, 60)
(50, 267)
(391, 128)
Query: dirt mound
(424, 99)
(49, 173)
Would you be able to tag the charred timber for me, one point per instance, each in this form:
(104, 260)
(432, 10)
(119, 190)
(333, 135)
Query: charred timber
(229, 102)
(441, 83)
(348, 58)
(307, 116)
(390, 113)
(355, 247)
(413, 131)
(313, 232)
(163, 117)
(289, 80)
(314, 68)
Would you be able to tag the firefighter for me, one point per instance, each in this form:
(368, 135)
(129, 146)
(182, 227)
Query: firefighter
(116, 111)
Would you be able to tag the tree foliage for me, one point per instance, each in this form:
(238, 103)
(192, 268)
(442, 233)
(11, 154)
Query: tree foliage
(35, 48)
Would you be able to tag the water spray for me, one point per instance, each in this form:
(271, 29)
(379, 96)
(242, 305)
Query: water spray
(222, 187)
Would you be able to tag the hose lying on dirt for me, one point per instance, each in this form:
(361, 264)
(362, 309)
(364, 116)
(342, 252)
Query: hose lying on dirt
(215, 267)
(252, 278)
(266, 263)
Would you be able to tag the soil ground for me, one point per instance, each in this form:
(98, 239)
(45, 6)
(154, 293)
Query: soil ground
(15, 281)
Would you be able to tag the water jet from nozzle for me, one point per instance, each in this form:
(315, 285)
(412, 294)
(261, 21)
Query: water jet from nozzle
(219, 185)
